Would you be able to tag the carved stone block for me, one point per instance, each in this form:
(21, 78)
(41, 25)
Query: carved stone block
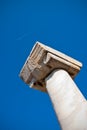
(42, 61)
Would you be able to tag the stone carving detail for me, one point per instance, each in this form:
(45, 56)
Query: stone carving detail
(42, 61)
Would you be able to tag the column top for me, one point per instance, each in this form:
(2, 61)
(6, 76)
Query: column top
(42, 61)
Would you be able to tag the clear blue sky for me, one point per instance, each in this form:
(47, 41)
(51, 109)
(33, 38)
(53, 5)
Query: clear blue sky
(59, 24)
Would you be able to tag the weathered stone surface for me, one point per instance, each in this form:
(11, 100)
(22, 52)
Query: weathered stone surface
(42, 61)
(69, 104)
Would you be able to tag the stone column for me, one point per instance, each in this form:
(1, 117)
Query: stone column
(68, 102)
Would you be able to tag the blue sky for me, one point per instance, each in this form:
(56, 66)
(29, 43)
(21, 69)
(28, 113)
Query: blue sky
(59, 24)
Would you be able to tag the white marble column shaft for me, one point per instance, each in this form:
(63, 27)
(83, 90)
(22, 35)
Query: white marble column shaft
(69, 104)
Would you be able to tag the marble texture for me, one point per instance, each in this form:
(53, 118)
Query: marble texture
(68, 102)
(42, 61)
